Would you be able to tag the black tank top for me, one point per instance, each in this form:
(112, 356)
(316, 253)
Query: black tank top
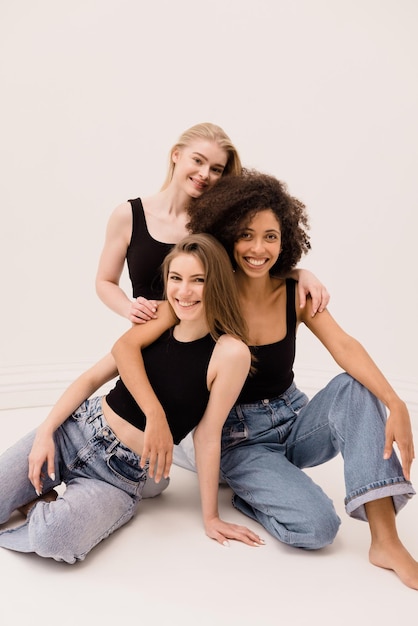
(144, 257)
(274, 364)
(177, 372)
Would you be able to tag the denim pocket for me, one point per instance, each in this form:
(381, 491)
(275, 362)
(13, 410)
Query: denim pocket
(234, 432)
(125, 465)
(293, 401)
(89, 410)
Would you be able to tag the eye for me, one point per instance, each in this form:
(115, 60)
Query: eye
(174, 277)
(244, 235)
(199, 279)
(197, 160)
(272, 237)
(217, 170)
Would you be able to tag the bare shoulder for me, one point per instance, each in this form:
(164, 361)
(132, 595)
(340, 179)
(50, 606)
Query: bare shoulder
(122, 212)
(230, 363)
(230, 347)
(120, 222)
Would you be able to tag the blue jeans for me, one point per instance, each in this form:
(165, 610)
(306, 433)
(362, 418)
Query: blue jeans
(266, 445)
(103, 480)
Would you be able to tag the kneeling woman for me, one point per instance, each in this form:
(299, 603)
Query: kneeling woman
(109, 445)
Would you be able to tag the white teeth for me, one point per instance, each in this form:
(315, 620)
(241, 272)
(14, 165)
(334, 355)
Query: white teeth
(256, 262)
(186, 303)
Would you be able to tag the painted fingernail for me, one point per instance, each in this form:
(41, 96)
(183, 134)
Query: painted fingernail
(38, 493)
(52, 476)
(226, 544)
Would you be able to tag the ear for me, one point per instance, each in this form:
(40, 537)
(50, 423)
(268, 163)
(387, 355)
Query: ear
(175, 155)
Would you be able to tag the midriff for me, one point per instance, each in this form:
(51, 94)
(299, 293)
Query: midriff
(130, 436)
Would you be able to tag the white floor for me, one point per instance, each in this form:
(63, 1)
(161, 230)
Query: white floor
(162, 569)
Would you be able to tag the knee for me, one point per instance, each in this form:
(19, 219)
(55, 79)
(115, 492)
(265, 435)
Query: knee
(351, 395)
(51, 538)
(315, 533)
(152, 489)
(343, 382)
(322, 532)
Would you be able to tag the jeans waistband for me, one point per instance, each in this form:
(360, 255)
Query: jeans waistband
(283, 396)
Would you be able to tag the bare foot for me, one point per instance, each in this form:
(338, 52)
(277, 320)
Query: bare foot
(394, 556)
(49, 496)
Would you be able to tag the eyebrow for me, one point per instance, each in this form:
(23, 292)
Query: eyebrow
(269, 230)
(206, 159)
(191, 276)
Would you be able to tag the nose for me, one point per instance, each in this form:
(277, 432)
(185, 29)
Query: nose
(184, 289)
(204, 172)
(257, 244)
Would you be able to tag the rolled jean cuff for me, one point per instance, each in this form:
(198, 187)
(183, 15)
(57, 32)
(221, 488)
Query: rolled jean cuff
(400, 490)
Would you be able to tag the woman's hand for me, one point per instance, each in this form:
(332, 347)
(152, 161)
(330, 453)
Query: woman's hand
(157, 448)
(143, 310)
(308, 284)
(43, 451)
(398, 429)
(221, 531)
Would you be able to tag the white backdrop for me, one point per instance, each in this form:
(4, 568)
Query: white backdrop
(321, 93)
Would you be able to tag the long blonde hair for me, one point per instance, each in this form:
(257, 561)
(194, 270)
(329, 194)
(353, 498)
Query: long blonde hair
(211, 132)
(220, 295)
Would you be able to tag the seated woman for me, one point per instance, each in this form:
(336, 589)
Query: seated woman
(104, 448)
(274, 431)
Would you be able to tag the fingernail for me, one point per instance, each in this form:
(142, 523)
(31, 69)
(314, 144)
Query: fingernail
(52, 476)
(226, 544)
(38, 493)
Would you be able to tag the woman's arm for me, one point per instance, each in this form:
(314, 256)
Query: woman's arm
(111, 263)
(112, 260)
(351, 356)
(227, 372)
(43, 448)
(158, 441)
(308, 284)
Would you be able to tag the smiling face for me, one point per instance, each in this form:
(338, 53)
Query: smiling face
(185, 285)
(258, 244)
(198, 166)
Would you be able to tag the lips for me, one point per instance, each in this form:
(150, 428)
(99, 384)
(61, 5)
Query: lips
(198, 184)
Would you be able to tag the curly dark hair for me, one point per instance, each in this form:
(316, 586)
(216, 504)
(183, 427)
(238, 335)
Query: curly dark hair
(230, 205)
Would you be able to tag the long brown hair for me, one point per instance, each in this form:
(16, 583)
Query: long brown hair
(220, 295)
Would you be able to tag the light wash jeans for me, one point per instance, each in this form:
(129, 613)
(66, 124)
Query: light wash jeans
(104, 485)
(266, 445)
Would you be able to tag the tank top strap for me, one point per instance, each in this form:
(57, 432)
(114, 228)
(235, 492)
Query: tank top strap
(290, 306)
(139, 223)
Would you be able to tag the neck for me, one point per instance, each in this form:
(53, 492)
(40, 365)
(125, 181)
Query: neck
(173, 200)
(190, 331)
(254, 289)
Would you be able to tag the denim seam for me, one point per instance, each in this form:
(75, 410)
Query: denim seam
(308, 434)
